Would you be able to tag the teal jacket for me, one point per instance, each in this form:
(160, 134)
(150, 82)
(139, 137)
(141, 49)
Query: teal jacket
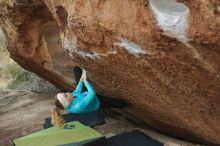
(84, 102)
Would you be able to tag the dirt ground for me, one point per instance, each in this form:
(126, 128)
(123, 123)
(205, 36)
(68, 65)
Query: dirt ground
(23, 112)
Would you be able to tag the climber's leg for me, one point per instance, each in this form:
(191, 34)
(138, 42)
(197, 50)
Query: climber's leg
(109, 102)
(77, 74)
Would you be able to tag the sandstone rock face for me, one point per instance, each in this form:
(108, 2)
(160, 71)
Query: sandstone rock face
(164, 60)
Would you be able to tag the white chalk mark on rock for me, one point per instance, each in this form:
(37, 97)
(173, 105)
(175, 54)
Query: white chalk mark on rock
(131, 47)
(171, 17)
(86, 55)
(71, 47)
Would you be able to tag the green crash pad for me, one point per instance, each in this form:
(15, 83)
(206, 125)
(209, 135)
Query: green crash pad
(72, 132)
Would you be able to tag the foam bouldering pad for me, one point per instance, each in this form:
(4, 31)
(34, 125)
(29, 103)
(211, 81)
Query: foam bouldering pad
(133, 138)
(93, 142)
(89, 119)
(73, 132)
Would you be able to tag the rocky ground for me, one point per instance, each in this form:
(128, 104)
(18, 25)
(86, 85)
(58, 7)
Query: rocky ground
(23, 112)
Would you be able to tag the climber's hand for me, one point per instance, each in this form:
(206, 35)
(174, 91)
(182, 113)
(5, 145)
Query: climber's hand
(84, 75)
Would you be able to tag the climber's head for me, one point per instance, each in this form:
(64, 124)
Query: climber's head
(63, 100)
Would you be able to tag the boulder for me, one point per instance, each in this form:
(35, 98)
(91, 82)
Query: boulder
(163, 58)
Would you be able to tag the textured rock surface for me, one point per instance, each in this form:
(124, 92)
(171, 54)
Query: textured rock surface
(173, 84)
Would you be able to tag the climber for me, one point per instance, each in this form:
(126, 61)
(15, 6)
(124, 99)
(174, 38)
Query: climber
(84, 99)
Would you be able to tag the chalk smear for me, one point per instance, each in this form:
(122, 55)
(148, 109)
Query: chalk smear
(71, 47)
(130, 46)
(171, 17)
(87, 55)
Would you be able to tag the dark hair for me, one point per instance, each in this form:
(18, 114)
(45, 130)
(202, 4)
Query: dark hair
(58, 104)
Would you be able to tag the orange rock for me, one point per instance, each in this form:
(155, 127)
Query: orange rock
(173, 85)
